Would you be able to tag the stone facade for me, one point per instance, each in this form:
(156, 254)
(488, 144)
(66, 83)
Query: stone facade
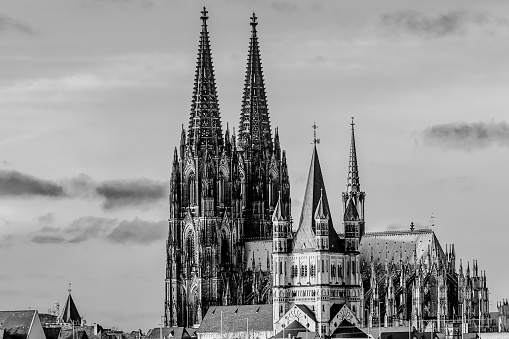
(231, 240)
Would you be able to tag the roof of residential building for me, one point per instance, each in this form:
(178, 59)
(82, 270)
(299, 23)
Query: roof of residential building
(234, 319)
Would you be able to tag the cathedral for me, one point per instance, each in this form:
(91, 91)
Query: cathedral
(231, 240)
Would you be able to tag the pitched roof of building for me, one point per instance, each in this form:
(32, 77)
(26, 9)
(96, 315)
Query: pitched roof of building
(52, 332)
(348, 330)
(304, 239)
(234, 318)
(70, 314)
(379, 246)
(47, 318)
(168, 332)
(16, 323)
(74, 333)
(292, 330)
(306, 310)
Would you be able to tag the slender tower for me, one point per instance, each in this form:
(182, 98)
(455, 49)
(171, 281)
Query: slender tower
(353, 202)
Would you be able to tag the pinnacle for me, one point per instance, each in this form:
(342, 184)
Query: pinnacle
(204, 120)
(353, 184)
(254, 130)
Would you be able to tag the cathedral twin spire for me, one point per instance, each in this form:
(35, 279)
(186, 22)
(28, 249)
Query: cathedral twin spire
(204, 121)
(254, 131)
(205, 130)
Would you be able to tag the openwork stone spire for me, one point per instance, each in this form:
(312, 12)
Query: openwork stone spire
(204, 121)
(254, 129)
(353, 184)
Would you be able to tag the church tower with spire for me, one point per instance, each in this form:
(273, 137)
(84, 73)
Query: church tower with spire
(222, 196)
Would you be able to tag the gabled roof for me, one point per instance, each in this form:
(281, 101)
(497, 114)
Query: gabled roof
(16, 324)
(306, 310)
(234, 318)
(168, 333)
(392, 244)
(291, 330)
(304, 239)
(52, 332)
(348, 330)
(70, 314)
(77, 333)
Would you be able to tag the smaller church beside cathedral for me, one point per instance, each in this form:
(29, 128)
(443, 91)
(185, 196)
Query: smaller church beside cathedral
(231, 241)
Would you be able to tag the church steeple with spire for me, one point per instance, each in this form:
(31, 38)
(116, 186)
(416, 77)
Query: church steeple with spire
(204, 121)
(222, 196)
(353, 201)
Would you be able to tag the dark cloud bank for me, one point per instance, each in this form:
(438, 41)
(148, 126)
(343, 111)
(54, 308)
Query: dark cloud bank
(14, 183)
(467, 136)
(115, 231)
(116, 194)
(123, 193)
(444, 24)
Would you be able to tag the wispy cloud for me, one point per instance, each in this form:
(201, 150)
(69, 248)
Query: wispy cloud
(467, 136)
(14, 183)
(444, 24)
(116, 231)
(127, 193)
(47, 219)
(8, 24)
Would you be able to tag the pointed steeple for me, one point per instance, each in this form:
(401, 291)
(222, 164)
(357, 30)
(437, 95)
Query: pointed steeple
(321, 211)
(278, 210)
(204, 121)
(254, 129)
(315, 192)
(353, 184)
(70, 314)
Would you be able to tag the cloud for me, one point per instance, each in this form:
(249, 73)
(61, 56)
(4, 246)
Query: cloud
(46, 219)
(127, 193)
(8, 24)
(444, 24)
(116, 193)
(14, 183)
(138, 231)
(467, 136)
(115, 231)
(284, 7)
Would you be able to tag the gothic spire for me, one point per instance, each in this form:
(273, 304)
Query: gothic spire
(70, 314)
(204, 121)
(254, 129)
(353, 184)
(315, 193)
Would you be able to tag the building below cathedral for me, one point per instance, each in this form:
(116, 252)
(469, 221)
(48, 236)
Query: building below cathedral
(231, 240)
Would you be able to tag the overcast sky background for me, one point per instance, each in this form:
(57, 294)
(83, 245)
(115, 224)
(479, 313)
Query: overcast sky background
(93, 94)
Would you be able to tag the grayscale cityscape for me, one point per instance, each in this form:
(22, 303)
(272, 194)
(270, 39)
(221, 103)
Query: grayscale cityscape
(148, 192)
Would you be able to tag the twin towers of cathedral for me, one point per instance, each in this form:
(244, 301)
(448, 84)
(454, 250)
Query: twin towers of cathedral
(223, 192)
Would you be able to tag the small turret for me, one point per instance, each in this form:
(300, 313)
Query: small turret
(280, 228)
(321, 225)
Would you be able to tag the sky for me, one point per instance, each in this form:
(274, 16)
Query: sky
(93, 94)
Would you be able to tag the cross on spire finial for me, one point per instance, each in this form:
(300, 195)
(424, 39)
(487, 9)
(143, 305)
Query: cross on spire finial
(352, 123)
(315, 139)
(69, 288)
(204, 15)
(253, 21)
